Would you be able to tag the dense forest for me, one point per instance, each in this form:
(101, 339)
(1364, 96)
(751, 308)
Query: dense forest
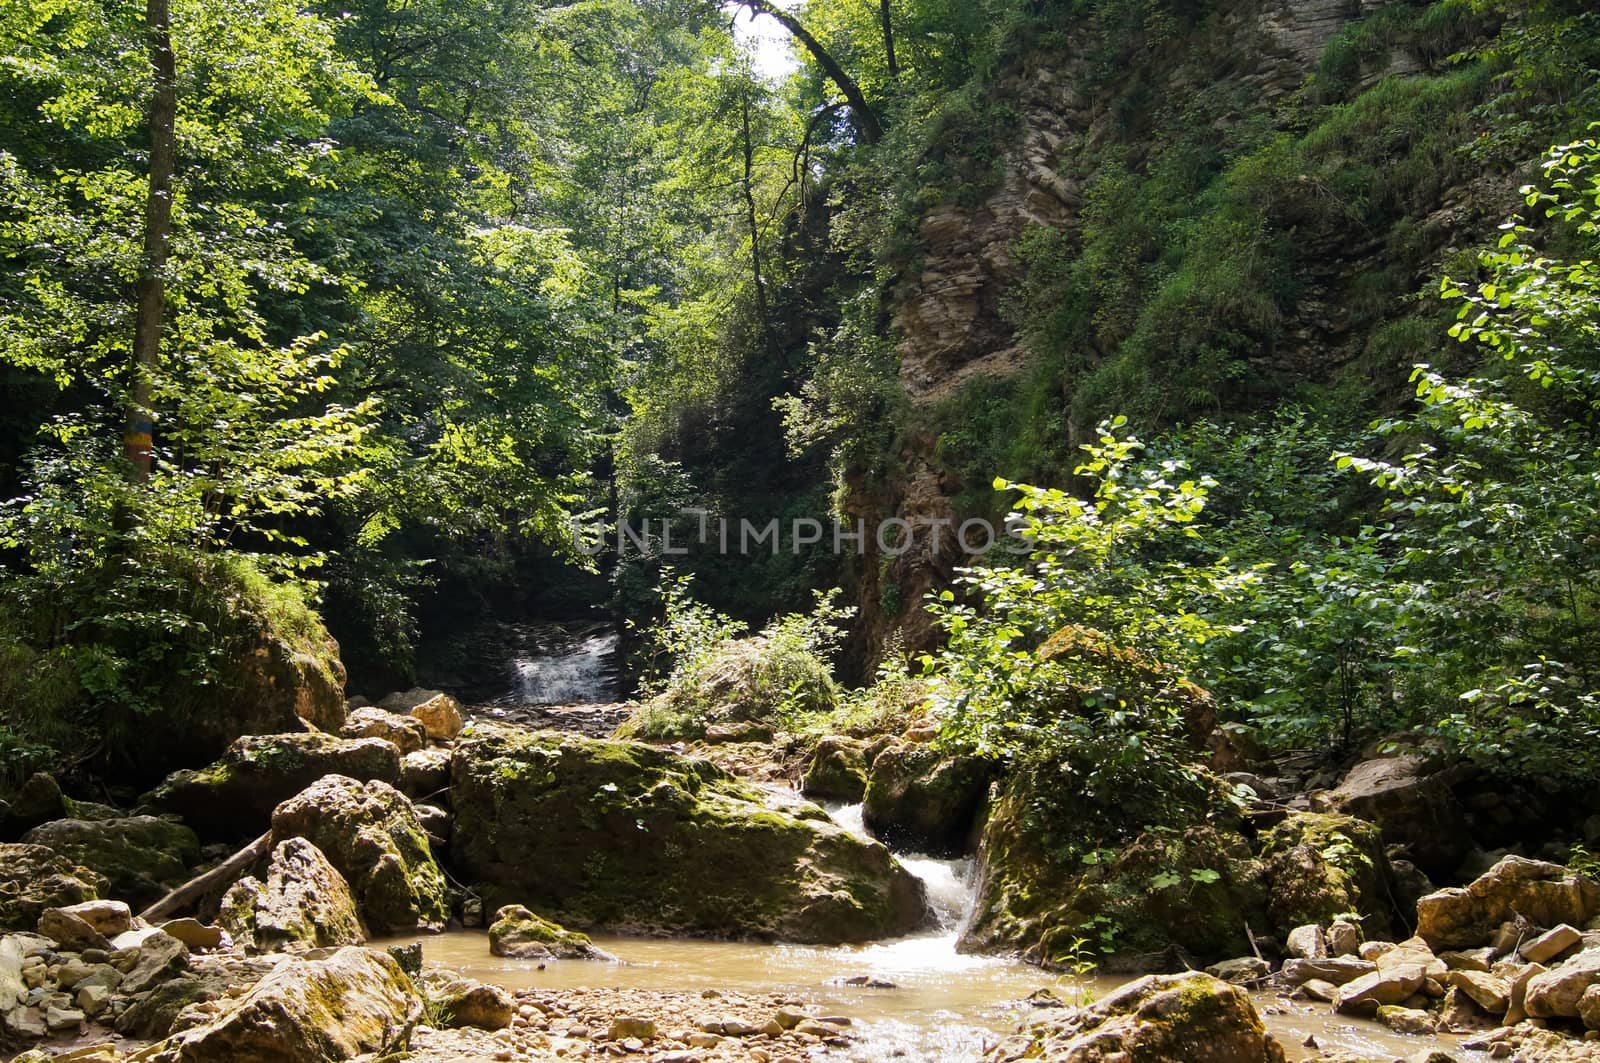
(1258, 341)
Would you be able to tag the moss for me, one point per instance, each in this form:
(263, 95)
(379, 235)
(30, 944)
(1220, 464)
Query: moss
(1321, 866)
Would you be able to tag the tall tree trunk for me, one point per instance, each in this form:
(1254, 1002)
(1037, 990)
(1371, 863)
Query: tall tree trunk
(866, 119)
(752, 219)
(888, 37)
(152, 294)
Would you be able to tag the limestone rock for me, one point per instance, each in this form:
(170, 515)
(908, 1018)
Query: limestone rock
(520, 934)
(354, 1003)
(108, 918)
(160, 956)
(234, 797)
(1412, 807)
(1491, 994)
(466, 1002)
(441, 717)
(1555, 993)
(1336, 970)
(1412, 1021)
(371, 833)
(925, 801)
(635, 837)
(1307, 942)
(424, 773)
(1589, 1007)
(70, 931)
(838, 770)
(407, 734)
(1344, 939)
(33, 878)
(1371, 991)
(304, 903)
(194, 934)
(1551, 944)
(1546, 894)
(1241, 970)
(142, 857)
(629, 1026)
(1191, 1017)
(1320, 865)
(38, 800)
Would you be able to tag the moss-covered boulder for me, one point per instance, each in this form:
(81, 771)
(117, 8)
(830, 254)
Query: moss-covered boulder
(33, 878)
(1040, 886)
(1138, 680)
(352, 1004)
(372, 834)
(837, 770)
(38, 800)
(743, 681)
(632, 837)
(234, 798)
(303, 903)
(1184, 1018)
(521, 934)
(1322, 865)
(141, 857)
(921, 799)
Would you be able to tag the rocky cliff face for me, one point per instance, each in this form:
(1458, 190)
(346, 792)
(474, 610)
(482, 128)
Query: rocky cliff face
(949, 310)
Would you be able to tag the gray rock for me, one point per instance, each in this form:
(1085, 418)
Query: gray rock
(1555, 993)
(160, 956)
(1336, 970)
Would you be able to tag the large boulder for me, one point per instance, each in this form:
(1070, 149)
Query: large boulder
(304, 903)
(1412, 805)
(1322, 865)
(38, 800)
(1193, 1018)
(1556, 993)
(837, 771)
(141, 857)
(1195, 889)
(33, 878)
(742, 682)
(1547, 894)
(234, 797)
(629, 836)
(520, 934)
(355, 1003)
(408, 734)
(372, 834)
(440, 714)
(920, 799)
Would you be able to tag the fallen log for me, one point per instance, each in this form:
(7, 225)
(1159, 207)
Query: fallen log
(191, 892)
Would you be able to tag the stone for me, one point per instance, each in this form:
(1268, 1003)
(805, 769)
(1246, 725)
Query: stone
(435, 824)
(108, 918)
(837, 770)
(520, 934)
(33, 878)
(303, 903)
(26, 1022)
(1412, 805)
(925, 801)
(467, 1002)
(1191, 1017)
(631, 835)
(160, 956)
(1555, 993)
(1366, 994)
(1411, 1021)
(69, 931)
(407, 734)
(142, 857)
(1546, 894)
(1458, 1014)
(195, 935)
(62, 1019)
(370, 832)
(1317, 989)
(356, 1002)
(1413, 952)
(92, 999)
(1468, 959)
(625, 1026)
(1307, 942)
(1336, 970)
(1589, 1007)
(1344, 939)
(1320, 866)
(1551, 944)
(425, 773)
(1241, 970)
(441, 717)
(38, 800)
(1517, 1010)
(1491, 994)
(234, 798)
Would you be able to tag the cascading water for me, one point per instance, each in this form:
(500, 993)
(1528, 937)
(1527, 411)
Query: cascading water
(949, 883)
(581, 672)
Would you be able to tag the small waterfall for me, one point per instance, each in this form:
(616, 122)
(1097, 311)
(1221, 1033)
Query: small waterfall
(950, 883)
(582, 672)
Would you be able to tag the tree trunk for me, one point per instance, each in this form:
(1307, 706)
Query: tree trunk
(151, 293)
(865, 118)
(753, 221)
(888, 38)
